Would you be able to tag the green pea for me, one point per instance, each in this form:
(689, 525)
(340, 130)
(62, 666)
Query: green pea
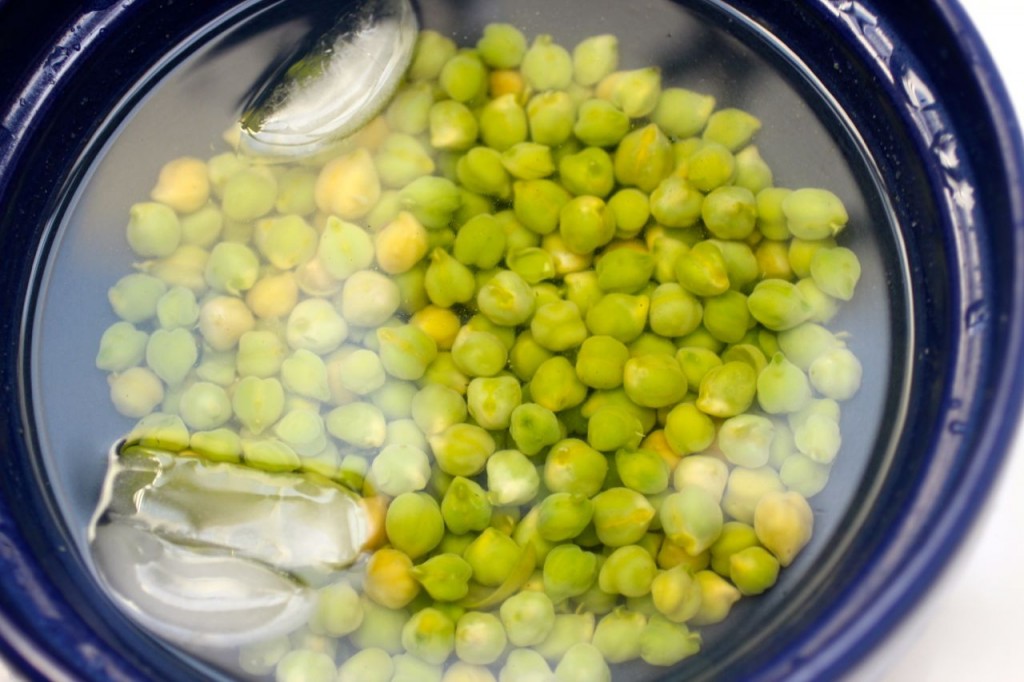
(528, 161)
(493, 556)
(547, 65)
(249, 194)
(359, 423)
(836, 271)
(429, 635)
(628, 571)
(682, 113)
(481, 170)
(778, 305)
(463, 77)
(555, 385)
(731, 128)
(675, 594)
(462, 449)
(588, 171)
(695, 363)
(618, 635)
(752, 172)
(551, 116)
(654, 380)
(621, 516)
(533, 427)
(675, 202)
(538, 204)
(431, 53)
(643, 158)
(702, 270)
(491, 400)
(599, 123)
(506, 299)
(401, 157)
(586, 223)
(805, 343)
(631, 209)
(154, 230)
(813, 213)
(177, 308)
(414, 524)
(710, 167)
(405, 351)
(453, 126)
(624, 270)
(642, 470)
(717, 598)
(563, 516)
(572, 466)
(674, 312)
(594, 58)
(431, 199)
(727, 390)
(479, 638)
(611, 428)
(729, 212)
(479, 353)
(601, 361)
(621, 316)
(558, 326)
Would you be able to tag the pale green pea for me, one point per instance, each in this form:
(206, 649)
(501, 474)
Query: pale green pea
(479, 353)
(727, 390)
(414, 524)
(304, 373)
(691, 518)
(506, 299)
(813, 213)
(601, 361)
(203, 227)
(232, 268)
(260, 353)
(338, 610)
(732, 128)
(538, 204)
(303, 665)
(801, 253)
(154, 230)
(359, 424)
(729, 212)
(823, 307)
(675, 202)
(431, 53)
(752, 172)
(249, 194)
(778, 305)
(442, 371)
(369, 298)
(572, 466)
(805, 343)
(628, 571)
(558, 326)
(782, 444)
(134, 298)
(381, 627)
(824, 407)
(405, 432)
(644, 471)
(204, 406)
(302, 430)
(525, 665)
(563, 516)
(664, 643)
(599, 123)
(675, 594)
(594, 58)
(803, 475)
(217, 366)
(367, 665)
(819, 438)
(501, 46)
(400, 468)
(480, 638)
(588, 171)
(528, 618)
(452, 126)
(177, 308)
(220, 168)
(463, 77)
(611, 428)
(771, 221)
(362, 372)
(260, 658)
(555, 385)
(480, 242)
(503, 123)
(171, 354)
(409, 668)
(429, 635)
(480, 170)
(528, 161)
(219, 445)
(547, 65)
(161, 431)
(493, 556)
(643, 158)
(836, 271)
(434, 408)
(621, 516)
(315, 325)
(569, 629)
(836, 374)
(269, 454)
(745, 489)
(491, 400)
(710, 167)
(621, 316)
(512, 479)
(617, 636)
(462, 449)
(702, 271)
(534, 427)
(654, 380)
(445, 577)
(285, 242)
(405, 351)
(682, 113)
(296, 195)
(745, 440)
(409, 108)
(431, 199)
(782, 387)
(402, 158)
(122, 346)
(551, 116)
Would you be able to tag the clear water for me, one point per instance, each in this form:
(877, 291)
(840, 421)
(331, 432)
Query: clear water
(183, 111)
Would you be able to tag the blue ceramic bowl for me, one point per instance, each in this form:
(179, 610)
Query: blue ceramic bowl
(916, 110)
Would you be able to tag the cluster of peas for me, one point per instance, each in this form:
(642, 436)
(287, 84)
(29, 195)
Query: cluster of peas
(555, 317)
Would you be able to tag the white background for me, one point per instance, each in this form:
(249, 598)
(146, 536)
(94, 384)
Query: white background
(973, 628)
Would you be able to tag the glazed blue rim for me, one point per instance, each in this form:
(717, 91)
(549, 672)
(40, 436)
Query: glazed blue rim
(983, 335)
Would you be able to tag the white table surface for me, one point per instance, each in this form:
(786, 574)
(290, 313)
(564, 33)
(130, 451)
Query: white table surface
(972, 630)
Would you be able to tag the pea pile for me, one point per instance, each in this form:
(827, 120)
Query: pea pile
(553, 316)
